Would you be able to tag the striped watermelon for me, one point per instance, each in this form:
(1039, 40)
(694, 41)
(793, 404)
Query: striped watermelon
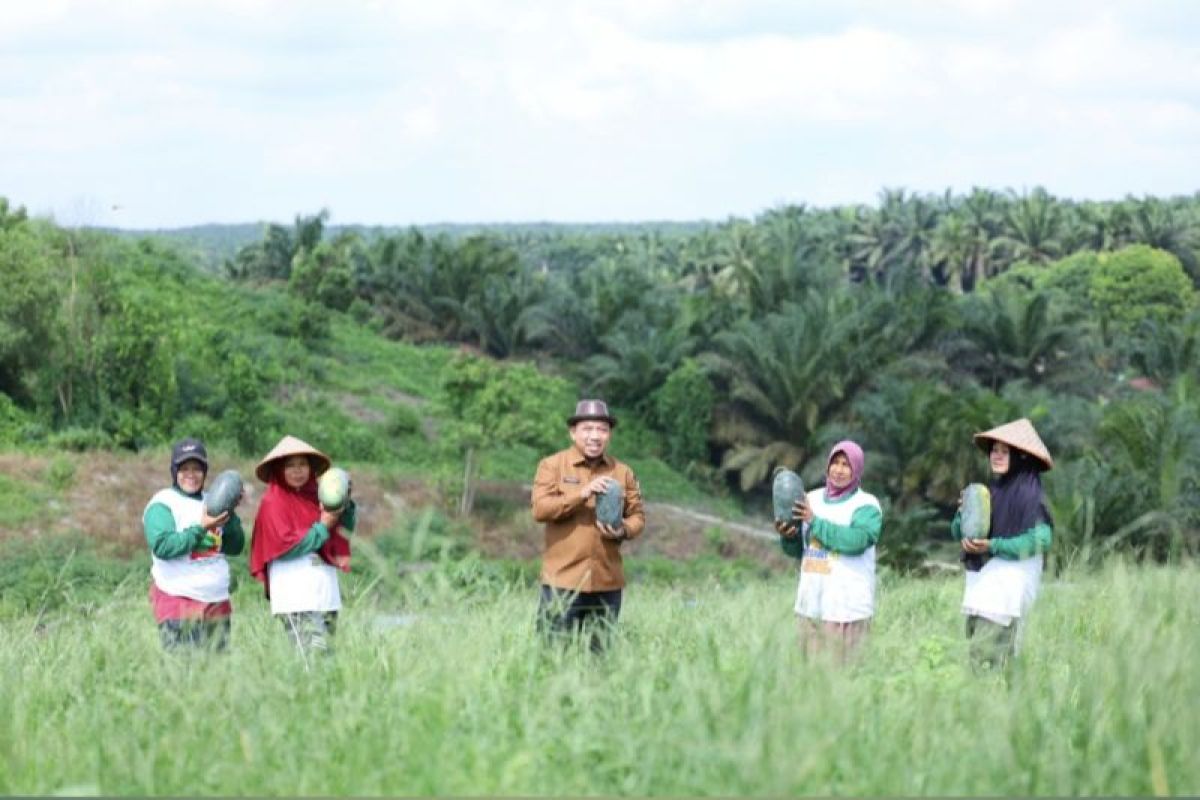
(786, 491)
(976, 515)
(333, 488)
(610, 506)
(223, 493)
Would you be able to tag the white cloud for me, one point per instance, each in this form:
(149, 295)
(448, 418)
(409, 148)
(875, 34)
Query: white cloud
(406, 111)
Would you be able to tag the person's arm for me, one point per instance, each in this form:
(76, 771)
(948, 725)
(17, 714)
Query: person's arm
(313, 541)
(634, 518)
(348, 521)
(956, 526)
(550, 502)
(233, 536)
(1033, 541)
(793, 545)
(853, 539)
(165, 541)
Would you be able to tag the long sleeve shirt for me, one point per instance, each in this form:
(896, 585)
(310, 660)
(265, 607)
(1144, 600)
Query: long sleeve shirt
(1014, 548)
(851, 540)
(318, 534)
(167, 540)
(576, 554)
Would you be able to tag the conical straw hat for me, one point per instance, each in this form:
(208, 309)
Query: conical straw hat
(1020, 435)
(290, 446)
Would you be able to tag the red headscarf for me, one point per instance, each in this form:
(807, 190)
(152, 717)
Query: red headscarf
(283, 520)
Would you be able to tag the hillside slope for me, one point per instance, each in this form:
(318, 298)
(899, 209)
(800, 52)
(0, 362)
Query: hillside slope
(101, 495)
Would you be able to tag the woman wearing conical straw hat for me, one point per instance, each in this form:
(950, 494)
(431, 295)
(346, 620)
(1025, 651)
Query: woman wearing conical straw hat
(1004, 571)
(299, 546)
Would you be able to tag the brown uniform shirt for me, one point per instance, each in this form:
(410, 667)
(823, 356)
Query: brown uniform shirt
(577, 556)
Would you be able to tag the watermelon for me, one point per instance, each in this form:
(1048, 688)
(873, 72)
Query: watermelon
(610, 506)
(976, 514)
(223, 493)
(786, 491)
(333, 488)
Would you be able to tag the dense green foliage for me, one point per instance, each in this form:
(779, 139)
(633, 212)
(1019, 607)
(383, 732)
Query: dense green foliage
(727, 349)
(712, 697)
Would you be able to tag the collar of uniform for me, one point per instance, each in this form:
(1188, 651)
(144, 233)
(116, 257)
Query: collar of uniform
(578, 458)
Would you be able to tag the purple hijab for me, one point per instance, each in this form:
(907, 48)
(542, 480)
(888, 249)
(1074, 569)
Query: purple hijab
(853, 454)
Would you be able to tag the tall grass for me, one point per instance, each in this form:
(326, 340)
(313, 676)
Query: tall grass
(704, 693)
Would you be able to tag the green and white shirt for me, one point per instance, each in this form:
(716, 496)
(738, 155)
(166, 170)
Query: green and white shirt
(837, 567)
(171, 521)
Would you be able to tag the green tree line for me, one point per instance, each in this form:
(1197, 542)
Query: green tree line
(742, 346)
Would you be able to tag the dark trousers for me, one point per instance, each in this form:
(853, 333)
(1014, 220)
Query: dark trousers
(200, 634)
(992, 645)
(311, 631)
(563, 613)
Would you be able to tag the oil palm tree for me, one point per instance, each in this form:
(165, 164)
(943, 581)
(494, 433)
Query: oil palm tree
(789, 373)
(635, 360)
(1161, 224)
(1164, 351)
(1010, 336)
(1155, 440)
(1033, 225)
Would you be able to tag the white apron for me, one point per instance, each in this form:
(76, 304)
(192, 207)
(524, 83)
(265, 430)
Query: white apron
(835, 587)
(200, 576)
(301, 584)
(1003, 590)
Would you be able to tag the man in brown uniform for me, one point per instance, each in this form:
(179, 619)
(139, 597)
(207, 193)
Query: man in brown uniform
(582, 576)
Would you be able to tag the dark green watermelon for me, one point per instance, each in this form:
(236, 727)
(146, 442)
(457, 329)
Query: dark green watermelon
(975, 519)
(223, 493)
(333, 488)
(785, 492)
(610, 506)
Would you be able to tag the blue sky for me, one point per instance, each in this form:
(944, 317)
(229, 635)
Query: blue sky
(162, 114)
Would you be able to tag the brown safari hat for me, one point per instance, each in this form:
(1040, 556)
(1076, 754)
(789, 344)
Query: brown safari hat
(1019, 435)
(591, 409)
(290, 446)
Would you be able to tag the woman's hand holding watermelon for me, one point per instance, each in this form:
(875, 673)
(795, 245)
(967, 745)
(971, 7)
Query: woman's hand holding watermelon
(330, 518)
(977, 547)
(802, 511)
(209, 523)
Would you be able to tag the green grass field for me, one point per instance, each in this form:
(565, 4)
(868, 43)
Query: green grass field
(705, 693)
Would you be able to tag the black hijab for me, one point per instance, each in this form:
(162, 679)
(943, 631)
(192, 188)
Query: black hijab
(1018, 502)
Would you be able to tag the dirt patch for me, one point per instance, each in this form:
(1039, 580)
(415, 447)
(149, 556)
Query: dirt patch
(404, 398)
(355, 408)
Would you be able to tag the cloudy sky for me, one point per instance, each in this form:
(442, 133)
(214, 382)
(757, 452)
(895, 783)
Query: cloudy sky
(161, 114)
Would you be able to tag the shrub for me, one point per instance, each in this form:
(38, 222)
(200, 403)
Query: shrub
(49, 574)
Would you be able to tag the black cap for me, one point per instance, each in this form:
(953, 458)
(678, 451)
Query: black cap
(188, 450)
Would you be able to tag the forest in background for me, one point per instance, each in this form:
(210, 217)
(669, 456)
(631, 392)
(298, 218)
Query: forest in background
(728, 349)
